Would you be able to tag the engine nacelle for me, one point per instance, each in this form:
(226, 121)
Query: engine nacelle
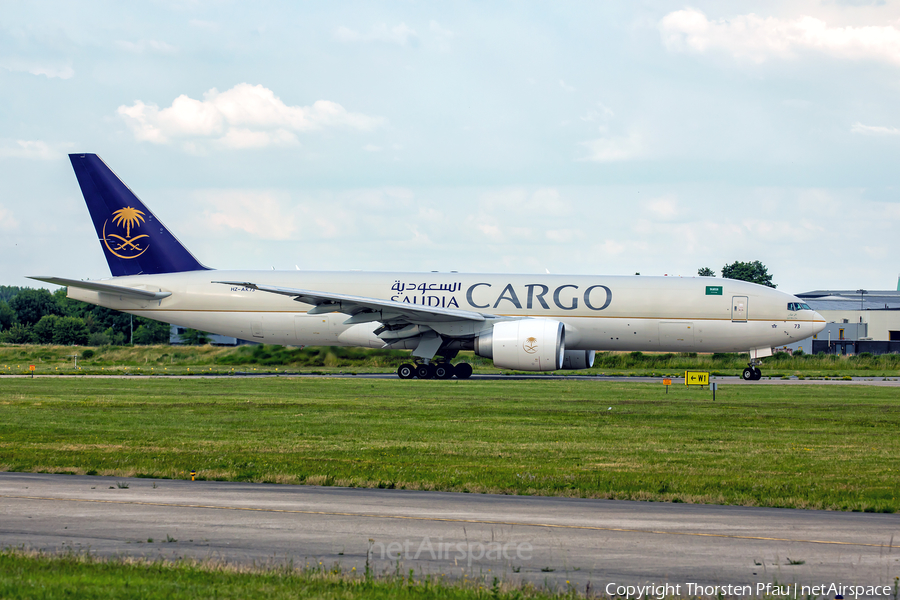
(578, 359)
(525, 345)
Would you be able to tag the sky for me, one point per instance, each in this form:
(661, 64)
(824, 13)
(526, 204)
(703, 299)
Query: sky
(607, 138)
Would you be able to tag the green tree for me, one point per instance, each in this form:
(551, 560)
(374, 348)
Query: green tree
(98, 338)
(8, 291)
(152, 332)
(194, 337)
(706, 272)
(67, 306)
(17, 334)
(115, 325)
(116, 338)
(43, 329)
(143, 336)
(7, 316)
(65, 331)
(30, 305)
(70, 330)
(754, 272)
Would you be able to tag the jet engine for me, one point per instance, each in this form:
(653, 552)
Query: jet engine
(578, 359)
(525, 345)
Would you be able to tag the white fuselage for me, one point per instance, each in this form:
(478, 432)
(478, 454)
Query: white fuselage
(666, 314)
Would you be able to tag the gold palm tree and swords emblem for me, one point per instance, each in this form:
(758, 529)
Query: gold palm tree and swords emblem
(530, 345)
(126, 246)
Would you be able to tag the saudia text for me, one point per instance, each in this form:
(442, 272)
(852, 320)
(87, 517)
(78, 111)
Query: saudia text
(529, 296)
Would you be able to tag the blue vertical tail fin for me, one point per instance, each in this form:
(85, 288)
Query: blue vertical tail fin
(134, 241)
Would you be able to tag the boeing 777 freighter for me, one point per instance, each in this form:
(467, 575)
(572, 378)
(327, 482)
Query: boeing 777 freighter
(522, 322)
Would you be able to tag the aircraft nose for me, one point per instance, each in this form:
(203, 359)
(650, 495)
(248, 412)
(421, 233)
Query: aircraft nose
(818, 323)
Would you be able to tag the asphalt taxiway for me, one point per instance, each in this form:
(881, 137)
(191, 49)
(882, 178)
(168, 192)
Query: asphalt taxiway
(545, 540)
(868, 381)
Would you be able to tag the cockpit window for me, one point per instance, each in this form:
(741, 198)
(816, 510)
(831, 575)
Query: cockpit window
(805, 307)
(794, 306)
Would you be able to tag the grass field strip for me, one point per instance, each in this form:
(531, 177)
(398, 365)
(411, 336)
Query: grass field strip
(793, 446)
(729, 380)
(447, 520)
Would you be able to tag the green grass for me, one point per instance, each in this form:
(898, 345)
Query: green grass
(791, 446)
(196, 360)
(38, 576)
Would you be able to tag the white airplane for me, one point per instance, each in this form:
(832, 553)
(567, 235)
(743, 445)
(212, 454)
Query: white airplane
(523, 322)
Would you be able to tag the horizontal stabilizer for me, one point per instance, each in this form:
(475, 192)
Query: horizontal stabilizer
(106, 288)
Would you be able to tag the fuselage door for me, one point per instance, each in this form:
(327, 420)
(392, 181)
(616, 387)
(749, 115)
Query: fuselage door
(739, 309)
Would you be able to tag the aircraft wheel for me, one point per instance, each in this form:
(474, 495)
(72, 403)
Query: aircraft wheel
(424, 371)
(463, 370)
(747, 374)
(443, 370)
(757, 374)
(406, 371)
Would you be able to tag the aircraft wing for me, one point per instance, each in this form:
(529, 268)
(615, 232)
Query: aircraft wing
(363, 309)
(106, 288)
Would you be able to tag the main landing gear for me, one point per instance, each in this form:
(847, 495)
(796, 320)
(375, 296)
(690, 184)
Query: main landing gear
(752, 372)
(438, 370)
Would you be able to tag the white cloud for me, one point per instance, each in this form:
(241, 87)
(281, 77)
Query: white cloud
(7, 221)
(372, 148)
(492, 232)
(401, 34)
(146, 46)
(246, 116)
(35, 67)
(610, 248)
(566, 87)
(504, 202)
(874, 129)
(603, 114)
(440, 36)
(239, 138)
(564, 236)
(262, 214)
(797, 103)
(613, 148)
(761, 38)
(663, 208)
(439, 32)
(200, 24)
(33, 149)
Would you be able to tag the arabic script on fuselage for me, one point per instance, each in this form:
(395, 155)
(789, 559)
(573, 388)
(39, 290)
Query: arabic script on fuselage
(528, 297)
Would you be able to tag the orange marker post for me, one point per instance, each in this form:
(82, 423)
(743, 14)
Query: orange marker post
(31, 368)
(667, 383)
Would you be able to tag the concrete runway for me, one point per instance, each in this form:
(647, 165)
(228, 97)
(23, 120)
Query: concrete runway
(545, 540)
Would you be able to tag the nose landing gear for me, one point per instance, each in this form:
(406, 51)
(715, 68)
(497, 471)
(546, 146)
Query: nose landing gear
(752, 372)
